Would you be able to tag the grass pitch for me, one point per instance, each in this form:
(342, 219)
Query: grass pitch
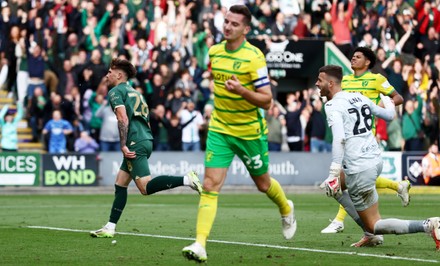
(53, 230)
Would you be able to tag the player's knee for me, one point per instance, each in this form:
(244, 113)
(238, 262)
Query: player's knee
(263, 187)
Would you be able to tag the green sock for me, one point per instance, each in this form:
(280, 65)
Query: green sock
(118, 203)
(163, 182)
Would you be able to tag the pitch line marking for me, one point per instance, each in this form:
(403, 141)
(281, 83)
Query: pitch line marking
(245, 244)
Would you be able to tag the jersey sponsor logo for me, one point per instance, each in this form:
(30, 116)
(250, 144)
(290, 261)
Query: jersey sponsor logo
(236, 65)
(222, 77)
(361, 92)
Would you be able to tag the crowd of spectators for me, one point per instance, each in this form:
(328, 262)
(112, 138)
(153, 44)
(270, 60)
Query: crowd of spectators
(55, 54)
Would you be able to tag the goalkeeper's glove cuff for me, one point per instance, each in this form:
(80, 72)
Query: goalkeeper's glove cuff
(335, 169)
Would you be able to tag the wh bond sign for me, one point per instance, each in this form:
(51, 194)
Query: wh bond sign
(70, 170)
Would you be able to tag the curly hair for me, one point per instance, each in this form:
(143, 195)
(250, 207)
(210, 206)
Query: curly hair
(125, 66)
(369, 54)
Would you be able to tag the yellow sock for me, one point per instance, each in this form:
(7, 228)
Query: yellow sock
(340, 217)
(382, 182)
(276, 194)
(206, 215)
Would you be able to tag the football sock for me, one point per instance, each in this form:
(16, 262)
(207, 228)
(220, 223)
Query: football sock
(397, 226)
(118, 203)
(345, 201)
(206, 215)
(163, 182)
(340, 216)
(276, 194)
(382, 182)
(186, 181)
(110, 225)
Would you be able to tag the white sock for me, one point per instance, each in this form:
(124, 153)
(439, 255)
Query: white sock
(426, 226)
(110, 225)
(398, 227)
(186, 181)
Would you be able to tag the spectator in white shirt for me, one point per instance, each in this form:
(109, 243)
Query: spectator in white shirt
(191, 121)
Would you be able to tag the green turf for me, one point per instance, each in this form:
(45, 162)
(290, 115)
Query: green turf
(247, 219)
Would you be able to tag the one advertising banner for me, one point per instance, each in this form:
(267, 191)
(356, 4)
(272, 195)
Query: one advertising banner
(392, 165)
(70, 170)
(292, 59)
(412, 167)
(19, 169)
(295, 168)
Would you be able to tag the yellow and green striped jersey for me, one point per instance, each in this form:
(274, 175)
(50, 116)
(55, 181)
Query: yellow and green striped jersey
(370, 85)
(232, 114)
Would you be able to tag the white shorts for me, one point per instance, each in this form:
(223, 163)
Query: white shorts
(362, 187)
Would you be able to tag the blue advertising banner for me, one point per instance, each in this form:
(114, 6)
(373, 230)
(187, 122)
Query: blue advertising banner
(293, 168)
(412, 167)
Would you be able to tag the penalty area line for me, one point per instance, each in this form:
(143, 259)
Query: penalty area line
(247, 244)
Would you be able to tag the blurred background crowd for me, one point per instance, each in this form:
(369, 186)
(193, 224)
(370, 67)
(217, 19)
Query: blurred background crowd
(55, 54)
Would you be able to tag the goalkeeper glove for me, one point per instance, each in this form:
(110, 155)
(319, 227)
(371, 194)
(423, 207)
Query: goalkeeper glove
(332, 184)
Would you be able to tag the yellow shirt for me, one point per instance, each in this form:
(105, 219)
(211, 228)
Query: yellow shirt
(232, 114)
(370, 85)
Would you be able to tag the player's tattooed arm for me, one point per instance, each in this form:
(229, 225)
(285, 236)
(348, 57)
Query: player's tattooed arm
(123, 124)
(123, 131)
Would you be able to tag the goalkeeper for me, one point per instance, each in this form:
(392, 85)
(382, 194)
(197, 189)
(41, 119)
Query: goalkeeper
(356, 151)
(370, 85)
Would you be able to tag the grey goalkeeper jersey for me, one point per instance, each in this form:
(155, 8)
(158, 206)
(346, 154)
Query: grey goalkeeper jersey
(350, 117)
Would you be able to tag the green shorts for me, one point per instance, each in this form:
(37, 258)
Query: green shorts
(139, 167)
(221, 149)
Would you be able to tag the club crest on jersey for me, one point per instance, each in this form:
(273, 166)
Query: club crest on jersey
(236, 65)
(364, 83)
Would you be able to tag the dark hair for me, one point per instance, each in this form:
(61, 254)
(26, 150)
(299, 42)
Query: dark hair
(368, 53)
(125, 66)
(333, 71)
(242, 9)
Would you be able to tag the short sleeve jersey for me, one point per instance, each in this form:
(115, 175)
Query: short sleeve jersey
(137, 112)
(360, 146)
(232, 114)
(370, 85)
